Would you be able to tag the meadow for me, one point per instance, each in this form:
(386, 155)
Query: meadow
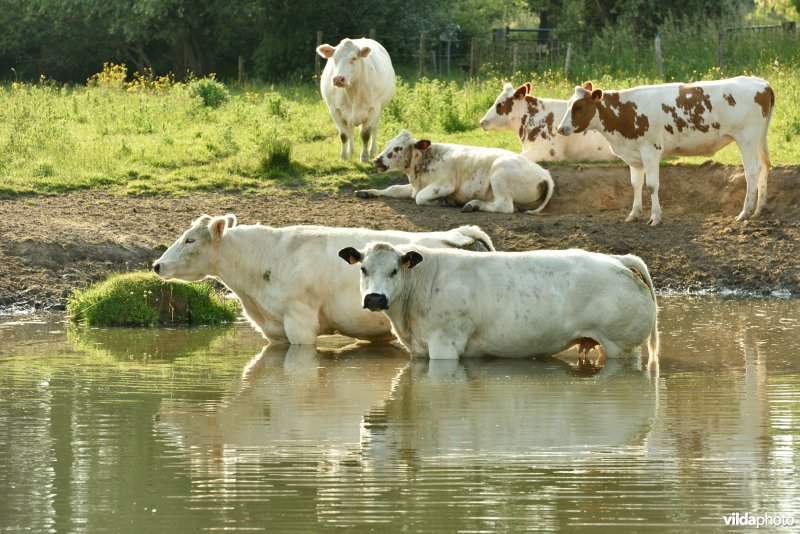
(147, 135)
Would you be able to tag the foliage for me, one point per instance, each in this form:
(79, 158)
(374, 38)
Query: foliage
(144, 299)
(210, 92)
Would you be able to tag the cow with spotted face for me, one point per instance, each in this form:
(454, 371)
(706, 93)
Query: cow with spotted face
(444, 304)
(477, 178)
(357, 83)
(535, 120)
(291, 284)
(647, 123)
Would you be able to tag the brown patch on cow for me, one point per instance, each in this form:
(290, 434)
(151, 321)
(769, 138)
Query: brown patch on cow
(505, 107)
(426, 157)
(669, 128)
(533, 105)
(656, 146)
(583, 111)
(535, 130)
(694, 102)
(729, 99)
(621, 117)
(522, 124)
(678, 121)
(715, 125)
(548, 120)
(552, 155)
(765, 99)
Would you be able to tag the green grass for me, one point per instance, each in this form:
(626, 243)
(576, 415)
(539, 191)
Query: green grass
(157, 137)
(144, 299)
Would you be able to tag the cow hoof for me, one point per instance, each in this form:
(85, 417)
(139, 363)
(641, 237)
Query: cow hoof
(469, 208)
(654, 222)
(632, 218)
(742, 216)
(364, 194)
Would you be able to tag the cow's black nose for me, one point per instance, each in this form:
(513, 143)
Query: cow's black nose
(157, 267)
(375, 302)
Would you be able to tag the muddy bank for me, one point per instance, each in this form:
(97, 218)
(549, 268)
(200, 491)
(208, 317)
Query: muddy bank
(51, 246)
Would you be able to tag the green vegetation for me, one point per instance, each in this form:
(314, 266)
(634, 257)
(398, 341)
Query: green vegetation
(150, 135)
(144, 299)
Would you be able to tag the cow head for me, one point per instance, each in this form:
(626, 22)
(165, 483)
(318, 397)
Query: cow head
(581, 109)
(193, 256)
(383, 269)
(399, 152)
(346, 61)
(502, 112)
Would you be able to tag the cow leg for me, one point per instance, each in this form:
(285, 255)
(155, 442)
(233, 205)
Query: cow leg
(505, 190)
(637, 181)
(393, 191)
(429, 193)
(345, 135)
(651, 170)
(752, 173)
(442, 346)
(302, 325)
(366, 133)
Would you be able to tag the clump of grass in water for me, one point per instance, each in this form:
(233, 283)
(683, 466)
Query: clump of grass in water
(144, 299)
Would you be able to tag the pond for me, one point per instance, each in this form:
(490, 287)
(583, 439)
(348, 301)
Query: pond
(205, 429)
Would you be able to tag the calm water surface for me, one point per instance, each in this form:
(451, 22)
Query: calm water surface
(182, 430)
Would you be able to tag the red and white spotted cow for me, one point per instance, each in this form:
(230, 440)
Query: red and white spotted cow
(535, 121)
(647, 123)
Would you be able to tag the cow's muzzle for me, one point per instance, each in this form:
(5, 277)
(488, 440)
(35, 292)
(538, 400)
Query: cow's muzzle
(565, 130)
(339, 81)
(157, 267)
(380, 165)
(375, 302)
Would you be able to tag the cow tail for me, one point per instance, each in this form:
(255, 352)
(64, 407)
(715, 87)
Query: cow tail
(548, 182)
(638, 266)
(763, 149)
(477, 234)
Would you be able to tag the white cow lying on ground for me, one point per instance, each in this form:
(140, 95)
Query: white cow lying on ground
(535, 120)
(488, 179)
(445, 303)
(647, 123)
(289, 280)
(357, 83)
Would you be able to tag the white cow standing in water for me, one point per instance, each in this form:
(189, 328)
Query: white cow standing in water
(357, 83)
(291, 284)
(450, 303)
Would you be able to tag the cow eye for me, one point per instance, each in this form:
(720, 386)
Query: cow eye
(364, 271)
(189, 240)
(394, 272)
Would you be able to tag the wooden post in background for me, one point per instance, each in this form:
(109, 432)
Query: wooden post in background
(317, 57)
(514, 57)
(241, 70)
(473, 57)
(372, 33)
(659, 59)
(421, 54)
(568, 61)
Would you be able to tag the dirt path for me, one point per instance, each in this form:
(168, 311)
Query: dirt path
(50, 246)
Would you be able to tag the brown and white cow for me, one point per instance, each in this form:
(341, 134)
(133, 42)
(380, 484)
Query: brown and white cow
(535, 120)
(647, 123)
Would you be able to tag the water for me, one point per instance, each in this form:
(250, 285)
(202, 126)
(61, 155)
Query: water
(200, 429)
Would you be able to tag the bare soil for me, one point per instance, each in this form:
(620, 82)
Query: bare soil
(50, 246)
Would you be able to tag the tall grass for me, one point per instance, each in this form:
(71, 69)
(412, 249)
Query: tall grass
(152, 136)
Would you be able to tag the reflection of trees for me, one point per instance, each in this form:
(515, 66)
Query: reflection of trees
(143, 344)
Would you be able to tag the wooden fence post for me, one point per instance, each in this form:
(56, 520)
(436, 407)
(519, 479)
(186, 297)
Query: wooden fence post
(241, 70)
(421, 54)
(720, 49)
(514, 57)
(659, 59)
(372, 33)
(473, 57)
(568, 60)
(317, 57)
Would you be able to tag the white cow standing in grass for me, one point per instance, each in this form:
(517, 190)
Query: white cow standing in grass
(535, 121)
(291, 284)
(645, 124)
(477, 178)
(448, 303)
(357, 83)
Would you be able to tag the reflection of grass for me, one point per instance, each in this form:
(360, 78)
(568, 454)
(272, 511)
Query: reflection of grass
(146, 344)
(144, 299)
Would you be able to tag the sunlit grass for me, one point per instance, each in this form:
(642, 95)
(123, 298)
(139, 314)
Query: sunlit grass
(154, 137)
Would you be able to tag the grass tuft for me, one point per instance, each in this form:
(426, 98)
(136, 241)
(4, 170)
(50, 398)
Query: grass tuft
(144, 299)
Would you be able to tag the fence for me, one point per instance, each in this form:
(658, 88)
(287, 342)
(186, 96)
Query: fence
(510, 50)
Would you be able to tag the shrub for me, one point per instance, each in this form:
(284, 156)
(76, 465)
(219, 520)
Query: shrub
(210, 92)
(144, 299)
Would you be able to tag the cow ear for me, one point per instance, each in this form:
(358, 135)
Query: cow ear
(588, 86)
(410, 259)
(350, 255)
(597, 95)
(231, 219)
(521, 91)
(217, 227)
(422, 144)
(326, 50)
(364, 52)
